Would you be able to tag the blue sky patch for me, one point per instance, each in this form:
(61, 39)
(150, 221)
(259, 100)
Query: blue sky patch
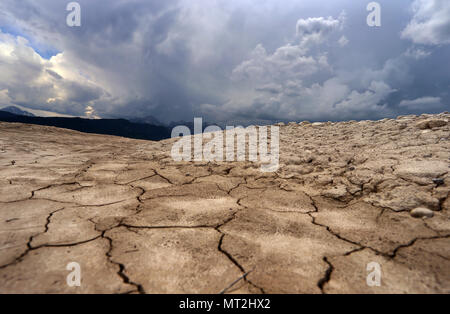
(44, 50)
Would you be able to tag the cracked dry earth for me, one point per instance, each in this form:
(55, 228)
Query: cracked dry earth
(138, 222)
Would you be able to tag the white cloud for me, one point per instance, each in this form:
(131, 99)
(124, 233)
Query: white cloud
(30, 80)
(315, 30)
(41, 113)
(430, 24)
(343, 41)
(290, 62)
(417, 53)
(423, 103)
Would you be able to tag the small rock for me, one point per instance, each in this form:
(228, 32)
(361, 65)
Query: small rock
(430, 169)
(437, 123)
(422, 212)
(338, 192)
(431, 124)
(402, 126)
(318, 124)
(410, 117)
(324, 180)
(423, 125)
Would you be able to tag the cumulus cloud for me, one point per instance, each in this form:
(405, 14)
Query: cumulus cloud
(430, 24)
(315, 30)
(297, 82)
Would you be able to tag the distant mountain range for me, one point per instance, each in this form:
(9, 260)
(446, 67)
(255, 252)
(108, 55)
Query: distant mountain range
(117, 127)
(147, 128)
(17, 111)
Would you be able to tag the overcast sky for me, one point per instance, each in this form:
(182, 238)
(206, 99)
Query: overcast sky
(226, 59)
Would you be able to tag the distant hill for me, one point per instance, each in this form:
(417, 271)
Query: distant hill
(17, 111)
(147, 120)
(117, 127)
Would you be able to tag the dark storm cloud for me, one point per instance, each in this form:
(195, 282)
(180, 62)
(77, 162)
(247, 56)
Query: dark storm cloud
(227, 59)
(54, 74)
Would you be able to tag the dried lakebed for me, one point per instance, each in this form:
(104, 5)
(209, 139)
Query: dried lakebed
(346, 195)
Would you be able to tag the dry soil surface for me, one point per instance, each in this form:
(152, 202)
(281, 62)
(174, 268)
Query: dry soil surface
(138, 222)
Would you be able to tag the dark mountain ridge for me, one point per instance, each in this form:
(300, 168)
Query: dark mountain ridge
(117, 127)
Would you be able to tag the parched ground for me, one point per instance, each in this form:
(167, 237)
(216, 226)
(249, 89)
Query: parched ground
(138, 222)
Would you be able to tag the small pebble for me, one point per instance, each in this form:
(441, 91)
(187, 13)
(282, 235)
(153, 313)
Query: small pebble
(422, 212)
